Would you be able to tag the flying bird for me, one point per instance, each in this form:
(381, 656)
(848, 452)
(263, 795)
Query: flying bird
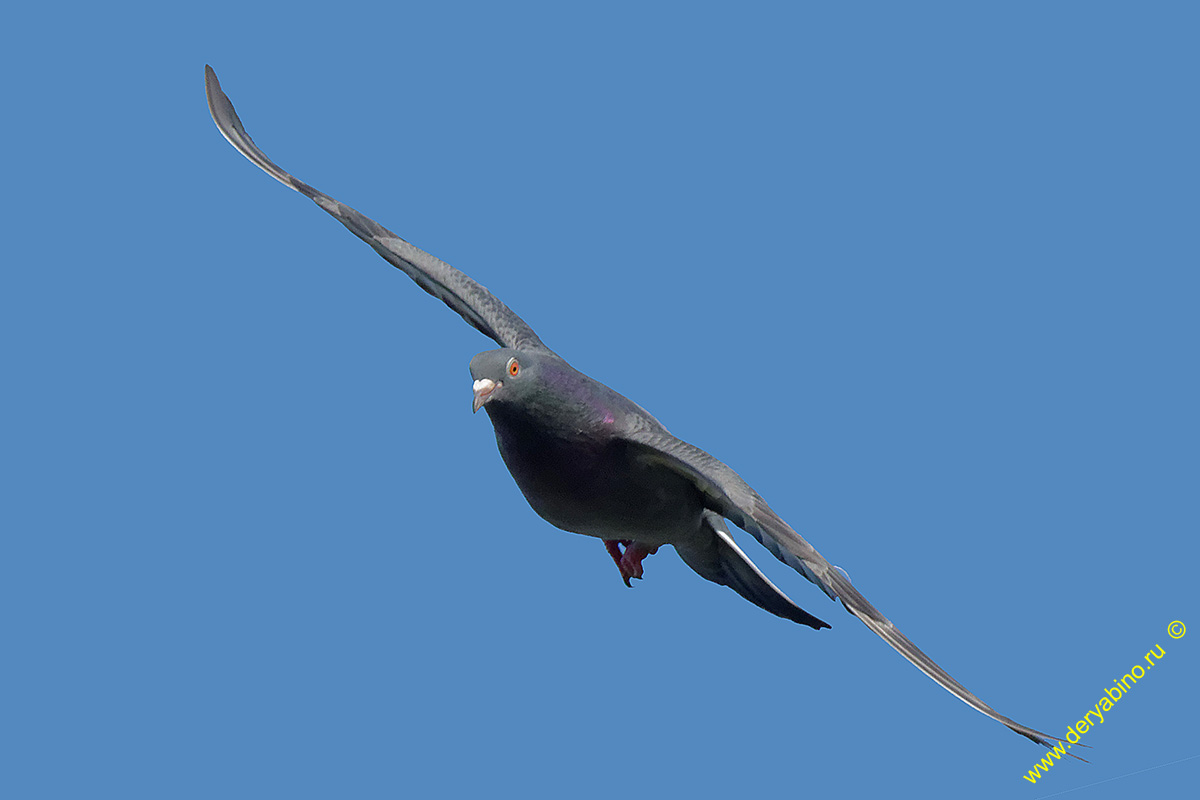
(591, 461)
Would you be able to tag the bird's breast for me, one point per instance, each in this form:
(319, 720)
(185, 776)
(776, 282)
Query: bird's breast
(596, 486)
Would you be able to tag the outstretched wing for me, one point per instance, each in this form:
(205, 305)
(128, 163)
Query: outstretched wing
(473, 302)
(731, 497)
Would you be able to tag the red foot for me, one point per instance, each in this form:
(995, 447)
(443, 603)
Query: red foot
(630, 561)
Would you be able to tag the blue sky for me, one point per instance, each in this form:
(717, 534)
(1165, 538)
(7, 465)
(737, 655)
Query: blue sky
(926, 276)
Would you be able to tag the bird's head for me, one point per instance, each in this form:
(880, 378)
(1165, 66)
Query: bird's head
(539, 388)
(505, 376)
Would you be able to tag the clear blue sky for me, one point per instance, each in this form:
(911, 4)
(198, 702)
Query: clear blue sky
(925, 275)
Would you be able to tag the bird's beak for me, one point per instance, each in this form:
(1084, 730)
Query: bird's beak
(483, 390)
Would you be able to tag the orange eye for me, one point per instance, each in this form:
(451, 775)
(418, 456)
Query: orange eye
(513, 367)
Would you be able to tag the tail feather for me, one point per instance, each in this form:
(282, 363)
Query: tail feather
(716, 557)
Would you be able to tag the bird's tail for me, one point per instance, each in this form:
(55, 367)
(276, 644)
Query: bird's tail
(716, 557)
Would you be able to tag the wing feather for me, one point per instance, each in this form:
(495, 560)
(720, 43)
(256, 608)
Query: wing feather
(731, 497)
(479, 307)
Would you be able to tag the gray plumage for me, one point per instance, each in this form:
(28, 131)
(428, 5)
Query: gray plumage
(591, 461)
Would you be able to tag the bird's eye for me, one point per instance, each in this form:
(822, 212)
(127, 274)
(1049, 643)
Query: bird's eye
(513, 367)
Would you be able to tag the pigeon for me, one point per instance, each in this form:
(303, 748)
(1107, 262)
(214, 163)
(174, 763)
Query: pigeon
(593, 462)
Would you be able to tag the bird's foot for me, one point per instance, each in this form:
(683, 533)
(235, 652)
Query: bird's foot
(631, 560)
(628, 562)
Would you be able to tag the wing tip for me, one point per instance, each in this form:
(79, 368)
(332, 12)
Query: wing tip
(212, 88)
(1044, 739)
(220, 107)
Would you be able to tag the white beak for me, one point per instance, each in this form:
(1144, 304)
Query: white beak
(483, 390)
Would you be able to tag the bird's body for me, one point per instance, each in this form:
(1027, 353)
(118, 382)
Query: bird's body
(591, 461)
(572, 464)
(598, 488)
